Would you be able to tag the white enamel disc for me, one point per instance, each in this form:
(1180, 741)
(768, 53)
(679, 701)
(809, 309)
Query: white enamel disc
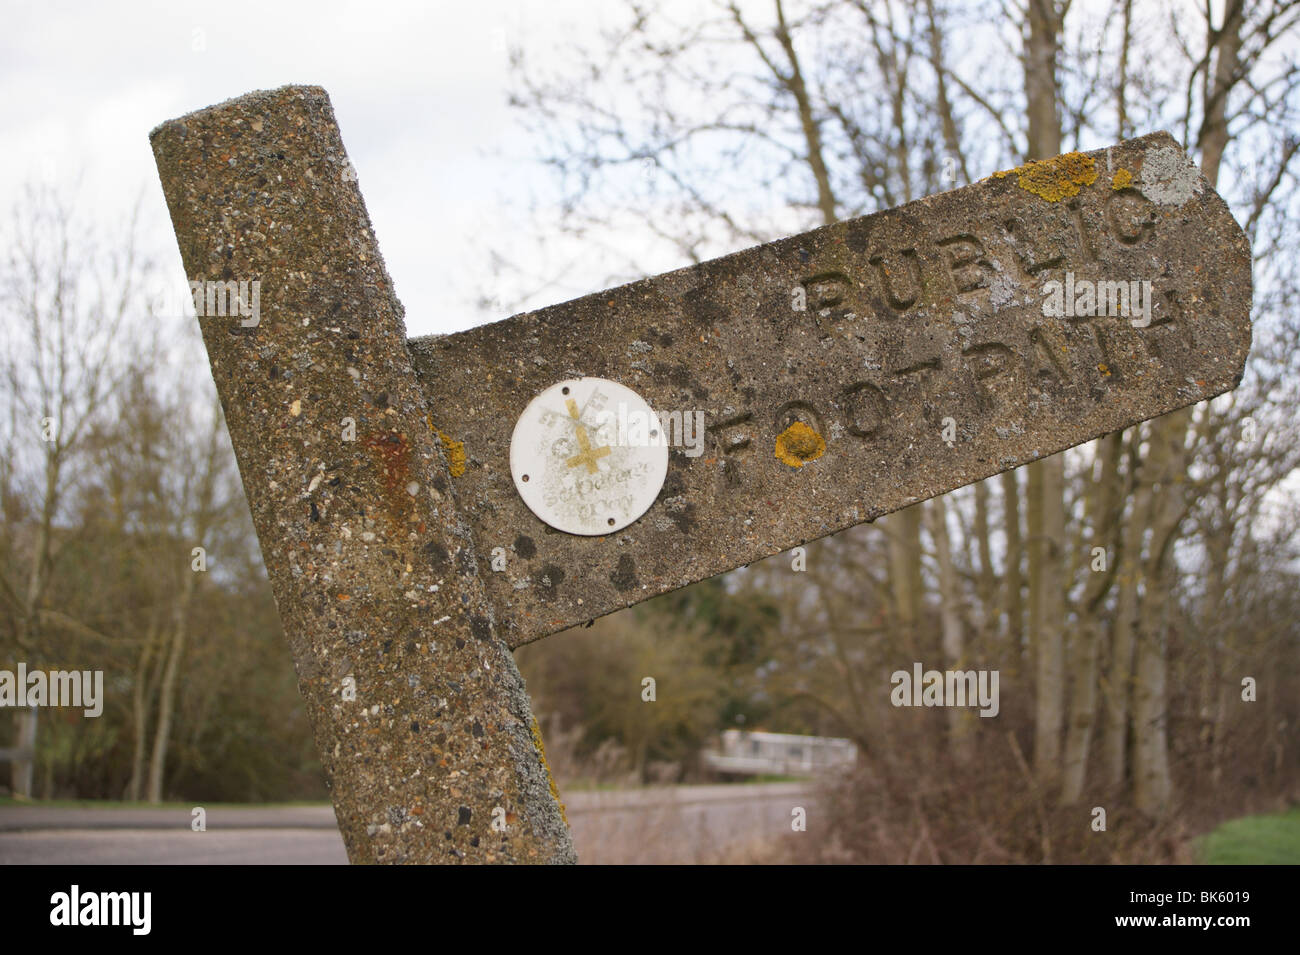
(588, 456)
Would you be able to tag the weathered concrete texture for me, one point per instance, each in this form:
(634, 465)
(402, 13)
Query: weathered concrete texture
(869, 335)
(373, 571)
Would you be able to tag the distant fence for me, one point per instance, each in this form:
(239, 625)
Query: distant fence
(746, 753)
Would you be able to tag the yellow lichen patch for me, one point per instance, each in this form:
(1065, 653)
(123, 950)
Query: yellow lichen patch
(455, 449)
(455, 454)
(1054, 179)
(541, 749)
(1122, 179)
(799, 444)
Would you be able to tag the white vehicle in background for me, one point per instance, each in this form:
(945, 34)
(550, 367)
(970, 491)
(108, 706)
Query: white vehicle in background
(746, 753)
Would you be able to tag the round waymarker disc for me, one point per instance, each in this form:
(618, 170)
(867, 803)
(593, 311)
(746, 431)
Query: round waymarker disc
(588, 456)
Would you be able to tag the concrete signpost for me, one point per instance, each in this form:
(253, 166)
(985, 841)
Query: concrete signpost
(426, 505)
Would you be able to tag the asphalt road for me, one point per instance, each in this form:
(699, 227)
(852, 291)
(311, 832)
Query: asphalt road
(684, 824)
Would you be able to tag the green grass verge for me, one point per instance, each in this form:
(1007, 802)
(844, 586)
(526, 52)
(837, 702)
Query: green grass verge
(1255, 840)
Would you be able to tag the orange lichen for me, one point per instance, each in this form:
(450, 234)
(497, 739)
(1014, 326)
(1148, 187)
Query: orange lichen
(541, 750)
(455, 449)
(1054, 179)
(799, 444)
(1122, 179)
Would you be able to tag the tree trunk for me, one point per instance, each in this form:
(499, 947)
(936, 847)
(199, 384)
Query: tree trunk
(140, 715)
(1166, 465)
(986, 583)
(1213, 140)
(1047, 603)
(25, 741)
(1103, 495)
(794, 82)
(954, 650)
(1119, 681)
(1014, 578)
(1046, 477)
(1168, 459)
(201, 506)
(905, 571)
(167, 692)
(1153, 786)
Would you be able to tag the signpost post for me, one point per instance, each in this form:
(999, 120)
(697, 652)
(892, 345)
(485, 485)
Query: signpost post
(839, 375)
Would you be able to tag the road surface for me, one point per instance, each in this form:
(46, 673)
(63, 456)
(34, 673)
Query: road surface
(672, 824)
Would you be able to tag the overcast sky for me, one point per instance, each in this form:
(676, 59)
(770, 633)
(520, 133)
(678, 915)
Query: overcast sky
(419, 90)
